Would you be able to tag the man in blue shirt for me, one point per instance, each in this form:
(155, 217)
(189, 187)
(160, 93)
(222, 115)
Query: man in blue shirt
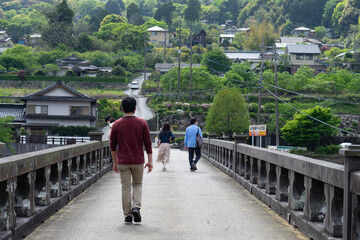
(190, 143)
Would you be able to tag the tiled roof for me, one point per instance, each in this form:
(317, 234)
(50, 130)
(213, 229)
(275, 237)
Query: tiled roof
(15, 110)
(291, 39)
(156, 29)
(59, 117)
(38, 95)
(302, 48)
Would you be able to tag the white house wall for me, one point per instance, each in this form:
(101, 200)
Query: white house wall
(59, 92)
(303, 62)
(60, 107)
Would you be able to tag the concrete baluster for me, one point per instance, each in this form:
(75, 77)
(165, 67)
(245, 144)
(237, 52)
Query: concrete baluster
(253, 170)
(297, 191)
(66, 175)
(261, 182)
(315, 200)
(282, 190)
(247, 168)
(271, 179)
(75, 177)
(11, 189)
(334, 208)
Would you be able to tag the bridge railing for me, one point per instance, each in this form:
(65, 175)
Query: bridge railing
(307, 192)
(35, 185)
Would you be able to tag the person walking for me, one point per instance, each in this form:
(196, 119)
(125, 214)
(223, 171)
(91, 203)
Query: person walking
(190, 143)
(165, 137)
(128, 136)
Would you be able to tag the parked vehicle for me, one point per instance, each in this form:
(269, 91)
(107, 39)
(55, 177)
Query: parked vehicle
(134, 85)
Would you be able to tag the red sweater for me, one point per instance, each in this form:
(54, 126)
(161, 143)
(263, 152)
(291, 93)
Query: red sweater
(128, 136)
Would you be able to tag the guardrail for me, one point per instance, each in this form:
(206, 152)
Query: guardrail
(58, 140)
(320, 198)
(34, 185)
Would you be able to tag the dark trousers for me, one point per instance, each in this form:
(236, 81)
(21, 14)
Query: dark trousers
(191, 156)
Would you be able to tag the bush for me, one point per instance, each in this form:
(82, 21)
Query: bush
(70, 73)
(119, 71)
(329, 149)
(179, 140)
(39, 72)
(81, 131)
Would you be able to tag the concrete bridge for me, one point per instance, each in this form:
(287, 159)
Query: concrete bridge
(251, 193)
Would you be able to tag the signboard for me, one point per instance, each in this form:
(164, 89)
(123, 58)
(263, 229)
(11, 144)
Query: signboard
(257, 130)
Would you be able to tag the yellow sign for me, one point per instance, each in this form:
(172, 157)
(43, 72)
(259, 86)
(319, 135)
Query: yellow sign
(257, 130)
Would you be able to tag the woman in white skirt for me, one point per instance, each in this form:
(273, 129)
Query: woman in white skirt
(165, 137)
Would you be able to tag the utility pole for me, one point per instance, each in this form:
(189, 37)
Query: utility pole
(144, 58)
(354, 45)
(165, 46)
(170, 82)
(260, 87)
(178, 87)
(276, 101)
(191, 63)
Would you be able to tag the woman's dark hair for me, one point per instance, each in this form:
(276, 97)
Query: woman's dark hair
(128, 104)
(166, 127)
(111, 120)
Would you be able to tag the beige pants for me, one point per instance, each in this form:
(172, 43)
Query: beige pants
(131, 177)
(163, 153)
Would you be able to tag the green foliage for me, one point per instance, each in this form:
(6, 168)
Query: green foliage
(192, 11)
(6, 132)
(305, 131)
(216, 62)
(109, 107)
(39, 72)
(118, 71)
(329, 149)
(81, 131)
(228, 114)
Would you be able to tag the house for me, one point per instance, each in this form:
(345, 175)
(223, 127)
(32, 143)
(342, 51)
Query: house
(5, 41)
(201, 39)
(227, 37)
(305, 55)
(157, 35)
(302, 31)
(56, 105)
(33, 39)
(80, 66)
(163, 68)
(284, 41)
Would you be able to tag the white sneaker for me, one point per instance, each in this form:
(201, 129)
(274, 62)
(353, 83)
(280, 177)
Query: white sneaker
(164, 168)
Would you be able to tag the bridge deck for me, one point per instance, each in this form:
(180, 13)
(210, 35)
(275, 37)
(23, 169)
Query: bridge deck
(177, 204)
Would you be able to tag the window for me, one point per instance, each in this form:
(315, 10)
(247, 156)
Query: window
(41, 109)
(154, 33)
(76, 110)
(299, 57)
(309, 57)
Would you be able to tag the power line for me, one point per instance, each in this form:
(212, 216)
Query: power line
(318, 120)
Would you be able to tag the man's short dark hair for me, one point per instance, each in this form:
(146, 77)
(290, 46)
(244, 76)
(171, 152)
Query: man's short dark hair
(107, 118)
(192, 121)
(128, 104)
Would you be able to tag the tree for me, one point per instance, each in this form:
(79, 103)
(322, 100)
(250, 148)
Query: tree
(259, 33)
(60, 25)
(6, 133)
(113, 7)
(84, 43)
(228, 114)
(328, 11)
(216, 62)
(133, 14)
(113, 18)
(304, 131)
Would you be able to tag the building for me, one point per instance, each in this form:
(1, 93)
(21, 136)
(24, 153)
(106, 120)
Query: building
(200, 39)
(305, 55)
(284, 41)
(80, 66)
(157, 35)
(56, 105)
(226, 37)
(5, 41)
(163, 68)
(302, 31)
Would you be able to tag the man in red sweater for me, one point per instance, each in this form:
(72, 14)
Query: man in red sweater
(128, 136)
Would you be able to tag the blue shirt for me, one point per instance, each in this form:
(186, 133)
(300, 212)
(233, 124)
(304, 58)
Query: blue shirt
(190, 136)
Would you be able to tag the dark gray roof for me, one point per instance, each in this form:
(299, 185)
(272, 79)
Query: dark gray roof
(39, 95)
(15, 110)
(164, 67)
(59, 117)
(302, 48)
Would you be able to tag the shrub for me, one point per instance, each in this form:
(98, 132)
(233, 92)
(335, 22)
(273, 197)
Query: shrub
(168, 105)
(39, 72)
(179, 140)
(119, 71)
(70, 73)
(329, 149)
(81, 131)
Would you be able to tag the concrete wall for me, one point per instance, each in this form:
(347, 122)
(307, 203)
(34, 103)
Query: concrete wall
(309, 193)
(48, 178)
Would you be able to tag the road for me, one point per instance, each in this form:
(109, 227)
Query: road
(142, 110)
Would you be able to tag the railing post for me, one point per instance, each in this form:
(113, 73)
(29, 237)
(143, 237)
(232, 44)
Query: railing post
(11, 189)
(351, 164)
